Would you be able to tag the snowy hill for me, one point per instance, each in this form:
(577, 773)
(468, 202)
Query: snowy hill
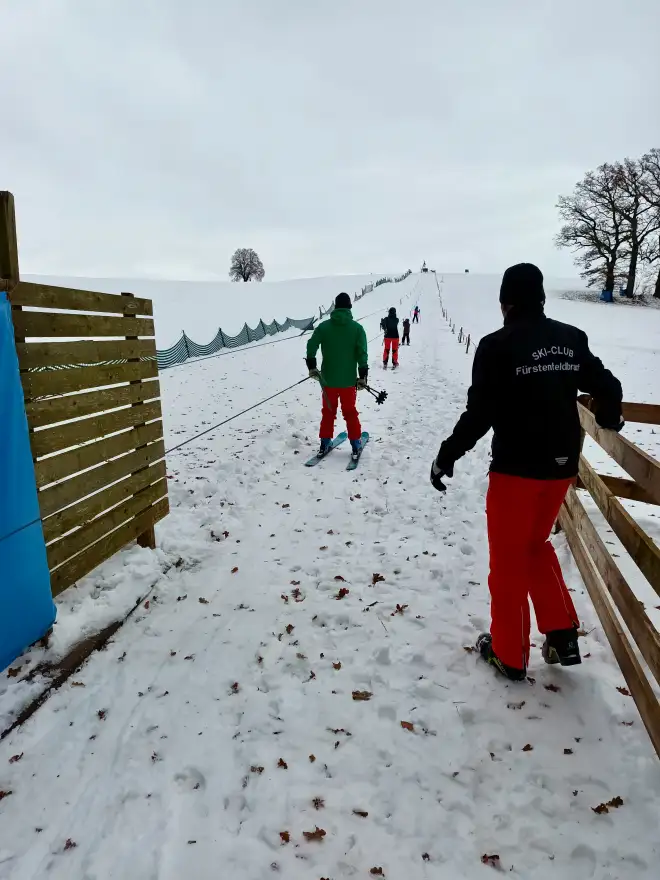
(294, 697)
(200, 307)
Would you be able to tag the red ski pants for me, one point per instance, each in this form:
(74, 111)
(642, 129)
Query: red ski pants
(523, 563)
(332, 397)
(394, 344)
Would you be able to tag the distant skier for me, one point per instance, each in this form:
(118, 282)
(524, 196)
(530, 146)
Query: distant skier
(390, 325)
(416, 315)
(405, 339)
(343, 345)
(525, 381)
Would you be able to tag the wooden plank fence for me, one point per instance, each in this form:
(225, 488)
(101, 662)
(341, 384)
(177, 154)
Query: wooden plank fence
(95, 426)
(615, 602)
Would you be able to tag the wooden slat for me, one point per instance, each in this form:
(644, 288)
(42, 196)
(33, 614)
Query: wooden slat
(641, 467)
(78, 378)
(59, 467)
(638, 685)
(56, 497)
(48, 296)
(54, 324)
(8, 242)
(75, 542)
(643, 550)
(644, 413)
(89, 559)
(69, 434)
(632, 611)
(60, 409)
(54, 354)
(629, 489)
(85, 510)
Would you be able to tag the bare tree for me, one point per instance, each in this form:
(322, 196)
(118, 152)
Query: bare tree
(594, 228)
(246, 266)
(651, 164)
(639, 206)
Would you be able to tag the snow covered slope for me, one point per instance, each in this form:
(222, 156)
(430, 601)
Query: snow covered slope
(220, 734)
(200, 307)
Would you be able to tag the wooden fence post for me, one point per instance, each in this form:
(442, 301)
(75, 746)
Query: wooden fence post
(148, 538)
(9, 275)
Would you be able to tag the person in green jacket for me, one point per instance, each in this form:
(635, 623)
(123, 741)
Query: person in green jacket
(343, 344)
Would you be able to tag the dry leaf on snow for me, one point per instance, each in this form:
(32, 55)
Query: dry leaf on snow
(234, 569)
(285, 836)
(203, 601)
(552, 687)
(16, 758)
(376, 578)
(318, 803)
(342, 592)
(361, 813)
(605, 808)
(492, 860)
(408, 725)
(377, 872)
(624, 691)
(289, 628)
(336, 665)
(70, 844)
(283, 764)
(362, 695)
(528, 748)
(317, 834)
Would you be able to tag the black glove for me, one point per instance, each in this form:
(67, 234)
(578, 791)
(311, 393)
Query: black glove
(439, 471)
(610, 425)
(361, 383)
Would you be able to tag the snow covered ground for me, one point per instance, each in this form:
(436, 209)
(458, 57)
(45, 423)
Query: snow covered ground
(226, 731)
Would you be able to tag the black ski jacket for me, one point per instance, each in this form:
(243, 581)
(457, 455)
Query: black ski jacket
(525, 381)
(390, 325)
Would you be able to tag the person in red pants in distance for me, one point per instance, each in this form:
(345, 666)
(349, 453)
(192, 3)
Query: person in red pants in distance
(390, 325)
(525, 381)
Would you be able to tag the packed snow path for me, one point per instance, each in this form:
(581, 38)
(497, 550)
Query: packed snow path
(219, 735)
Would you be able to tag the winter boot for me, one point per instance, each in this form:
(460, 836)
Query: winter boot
(485, 648)
(356, 449)
(325, 447)
(561, 646)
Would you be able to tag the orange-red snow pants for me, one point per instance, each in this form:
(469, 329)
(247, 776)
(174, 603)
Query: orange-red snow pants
(394, 343)
(332, 397)
(523, 563)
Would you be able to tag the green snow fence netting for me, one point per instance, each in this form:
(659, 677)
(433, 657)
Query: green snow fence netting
(185, 348)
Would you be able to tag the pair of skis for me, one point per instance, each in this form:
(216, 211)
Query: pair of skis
(339, 439)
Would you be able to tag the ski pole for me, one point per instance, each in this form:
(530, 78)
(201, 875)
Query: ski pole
(381, 396)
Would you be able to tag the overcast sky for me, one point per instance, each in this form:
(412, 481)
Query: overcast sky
(150, 138)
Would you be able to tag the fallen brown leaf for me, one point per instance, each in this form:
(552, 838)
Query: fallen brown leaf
(624, 691)
(234, 569)
(102, 714)
(552, 687)
(362, 695)
(283, 764)
(312, 758)
(611, 804)
(256, 769)
(203, 601)
(189, 657)
(289, 628)
(338, 577)
(295, 583)
(323, 548)
(361, 813)
(285, 836)
(317, 834)
(4, 794)
(16, 758)
(318, 803)
(528, 748)
(469, 649)
(78, 684)
(342, 592)
(398, 610)
(568, 751)
(492, 860)
(336, 665)
(515, 705)
(408, 725)
(377, 872)
(70, 844)
(12, 673)
(376, 579)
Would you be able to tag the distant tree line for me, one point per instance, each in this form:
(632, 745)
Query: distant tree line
(611, 221)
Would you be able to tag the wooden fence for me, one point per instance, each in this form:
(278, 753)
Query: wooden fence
(612, 596)
(95, 424)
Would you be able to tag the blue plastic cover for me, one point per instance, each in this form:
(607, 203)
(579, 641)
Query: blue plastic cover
(27, 609)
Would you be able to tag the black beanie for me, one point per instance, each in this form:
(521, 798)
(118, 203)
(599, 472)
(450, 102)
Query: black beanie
(343, 301)
(522, 286)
